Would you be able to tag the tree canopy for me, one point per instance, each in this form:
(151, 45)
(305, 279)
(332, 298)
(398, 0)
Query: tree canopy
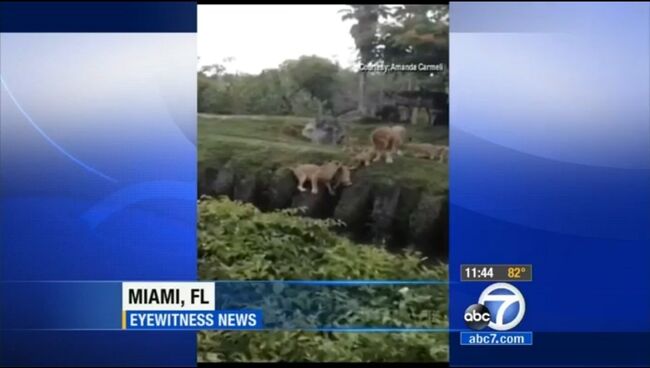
(401, 34)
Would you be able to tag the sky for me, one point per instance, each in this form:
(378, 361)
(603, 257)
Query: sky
(263, 36)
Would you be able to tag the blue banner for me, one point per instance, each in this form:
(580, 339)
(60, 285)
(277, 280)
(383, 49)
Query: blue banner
(194, 320)
(275, 305)
(496, 338)
(550, 167)
(98, 16)
(98, 179)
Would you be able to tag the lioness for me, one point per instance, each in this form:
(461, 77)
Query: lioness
(332, 174)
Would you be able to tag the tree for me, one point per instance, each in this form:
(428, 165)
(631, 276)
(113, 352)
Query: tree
(417, 34)
(420, 33)
(212, 71)
(302, 87)
(316, 76)
(366, 39)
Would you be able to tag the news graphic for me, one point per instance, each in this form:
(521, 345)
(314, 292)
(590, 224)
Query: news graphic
(323, 156)
(189, 185)
(511, 305)
(305, 311)
(550, 170)
(501, 307)
(97, 178)
(181, 306)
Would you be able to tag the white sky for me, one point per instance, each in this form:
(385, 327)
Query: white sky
(263, 36)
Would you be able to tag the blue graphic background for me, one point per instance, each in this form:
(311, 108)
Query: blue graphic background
(550, 136)
(343, 306)
(98, 179)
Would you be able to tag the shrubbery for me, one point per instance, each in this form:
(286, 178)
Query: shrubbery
(238, 242)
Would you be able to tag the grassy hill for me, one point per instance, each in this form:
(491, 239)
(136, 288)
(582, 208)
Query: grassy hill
(253, 143)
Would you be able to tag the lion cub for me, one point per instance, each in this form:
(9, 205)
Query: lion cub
(364, 157)
(443, 154)
(332, 174)
(429, 151)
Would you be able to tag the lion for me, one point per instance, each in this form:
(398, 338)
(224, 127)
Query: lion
(388, 141)
(429, 151)
(364, 157)
(443, 154)
(333, 174)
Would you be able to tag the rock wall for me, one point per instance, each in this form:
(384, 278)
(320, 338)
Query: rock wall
(383, 214)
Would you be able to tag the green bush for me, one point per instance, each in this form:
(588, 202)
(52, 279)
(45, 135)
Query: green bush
(238, 242)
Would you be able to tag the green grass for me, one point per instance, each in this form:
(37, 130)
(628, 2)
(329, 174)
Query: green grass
(252, 143)
(236, 241)
(419, 133)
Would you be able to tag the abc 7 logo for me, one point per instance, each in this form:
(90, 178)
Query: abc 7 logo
(478, 316)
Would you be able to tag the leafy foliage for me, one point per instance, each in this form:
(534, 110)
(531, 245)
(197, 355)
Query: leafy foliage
(238, 242)
(274, 92)
(418, 34)
(314, 75)
(364, 31)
